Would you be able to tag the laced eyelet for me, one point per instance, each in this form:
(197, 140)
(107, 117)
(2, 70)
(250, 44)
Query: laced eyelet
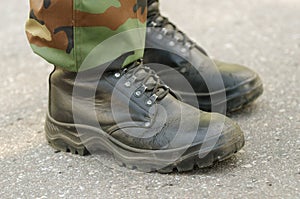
(117, 75)
(147, 124)
(145, 76)
(183, 70)
(159, 37)
(184, 50)
(188, 45)
(153, 23)
(130, 81)
(132, 78)
(171, 43)
(177, 38)
(139, 92)
(164, 31)
(149, 102)
(124, 71)
(127, 84)
(152, 99)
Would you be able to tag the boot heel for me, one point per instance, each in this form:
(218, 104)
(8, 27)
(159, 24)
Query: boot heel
(65, 139)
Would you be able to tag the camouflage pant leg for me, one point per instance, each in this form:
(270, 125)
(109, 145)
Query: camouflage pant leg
(65, 32)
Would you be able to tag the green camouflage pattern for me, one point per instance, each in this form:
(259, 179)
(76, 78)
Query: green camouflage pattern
(64, 32)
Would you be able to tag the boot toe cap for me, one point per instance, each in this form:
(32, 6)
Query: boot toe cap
(235, 74)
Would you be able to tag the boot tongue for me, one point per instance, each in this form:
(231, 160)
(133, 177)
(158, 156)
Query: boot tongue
(142, 73)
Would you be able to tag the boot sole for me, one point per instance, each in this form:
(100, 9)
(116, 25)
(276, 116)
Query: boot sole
(64, 137)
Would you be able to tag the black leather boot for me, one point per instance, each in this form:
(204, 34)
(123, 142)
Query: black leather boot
(167, 45)
(136, 117)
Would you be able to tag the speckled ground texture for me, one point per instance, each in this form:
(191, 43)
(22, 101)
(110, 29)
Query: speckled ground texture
(263, 34)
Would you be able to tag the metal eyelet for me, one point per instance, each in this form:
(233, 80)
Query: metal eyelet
(117, 75)
(177, 38)
(183, 70)
(184, 50)
(124, 70)
(171, 43)
(132, 78)
(164, 31)
(130, 81)
(147, 124)
(188, 45)
(127, 84)
(152, 99)
(139, 92)
(154, 24)
(159, 37)
(149, 102)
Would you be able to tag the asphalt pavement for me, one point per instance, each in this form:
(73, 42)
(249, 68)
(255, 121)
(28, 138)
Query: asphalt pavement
(262, 34)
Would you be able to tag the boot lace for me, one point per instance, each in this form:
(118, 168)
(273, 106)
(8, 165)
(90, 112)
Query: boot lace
(156, 20)
(150, 81)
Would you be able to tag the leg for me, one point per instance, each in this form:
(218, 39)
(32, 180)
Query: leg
(64, 32)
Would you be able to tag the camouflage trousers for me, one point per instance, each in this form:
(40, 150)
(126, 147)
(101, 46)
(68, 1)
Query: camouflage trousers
(65, 32)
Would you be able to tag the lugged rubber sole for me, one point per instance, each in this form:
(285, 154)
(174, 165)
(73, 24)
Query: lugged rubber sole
(65, 137)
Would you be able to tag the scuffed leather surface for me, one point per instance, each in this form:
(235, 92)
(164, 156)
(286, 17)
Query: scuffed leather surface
(173, 123)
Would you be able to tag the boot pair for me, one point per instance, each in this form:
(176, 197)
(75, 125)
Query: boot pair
(167, 45)
(149, 117)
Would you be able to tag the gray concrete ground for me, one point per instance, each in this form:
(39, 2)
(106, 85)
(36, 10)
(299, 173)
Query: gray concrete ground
(263, 34)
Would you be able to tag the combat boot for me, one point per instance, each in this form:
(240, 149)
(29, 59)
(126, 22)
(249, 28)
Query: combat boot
(167, 45)
(133, 115)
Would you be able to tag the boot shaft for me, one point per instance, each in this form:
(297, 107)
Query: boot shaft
(103, 96)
